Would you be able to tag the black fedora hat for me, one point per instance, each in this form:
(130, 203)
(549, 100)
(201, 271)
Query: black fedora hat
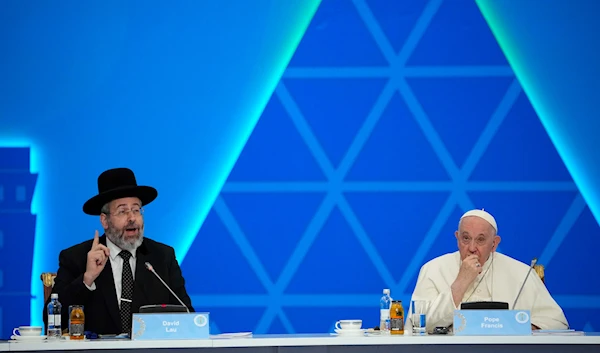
(115, 184)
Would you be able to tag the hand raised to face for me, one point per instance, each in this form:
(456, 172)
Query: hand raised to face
(469, 269)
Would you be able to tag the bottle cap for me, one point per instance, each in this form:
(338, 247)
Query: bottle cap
(54, 296)
(386, 291)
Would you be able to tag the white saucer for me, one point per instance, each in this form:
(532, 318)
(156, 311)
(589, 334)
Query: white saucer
(27, 338)
(358, 332)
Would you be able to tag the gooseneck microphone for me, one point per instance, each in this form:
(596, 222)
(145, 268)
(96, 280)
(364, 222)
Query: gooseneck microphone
(533, 262)
(151, 269)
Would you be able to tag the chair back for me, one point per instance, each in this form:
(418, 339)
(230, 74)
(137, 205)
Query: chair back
(539, 269)
(48, 282)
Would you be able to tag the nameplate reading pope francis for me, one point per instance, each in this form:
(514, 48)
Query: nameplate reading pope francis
(492, 323)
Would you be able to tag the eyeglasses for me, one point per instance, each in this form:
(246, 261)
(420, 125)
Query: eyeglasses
(123, 212)
(466, 240)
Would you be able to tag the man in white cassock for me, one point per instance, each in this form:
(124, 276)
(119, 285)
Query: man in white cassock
(476, 272)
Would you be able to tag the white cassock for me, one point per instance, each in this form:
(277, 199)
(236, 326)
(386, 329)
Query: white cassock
(500, 280)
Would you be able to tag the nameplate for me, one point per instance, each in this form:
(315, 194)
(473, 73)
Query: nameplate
(170, 326)
(492, 323)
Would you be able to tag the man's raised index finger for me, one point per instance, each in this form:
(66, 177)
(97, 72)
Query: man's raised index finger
(96, 239)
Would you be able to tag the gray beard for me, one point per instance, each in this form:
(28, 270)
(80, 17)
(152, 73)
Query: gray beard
(117, 237)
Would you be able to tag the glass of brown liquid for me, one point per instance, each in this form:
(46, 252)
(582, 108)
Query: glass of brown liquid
(76, 322)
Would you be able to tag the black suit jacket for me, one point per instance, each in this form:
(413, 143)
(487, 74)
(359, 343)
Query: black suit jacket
(100, 306)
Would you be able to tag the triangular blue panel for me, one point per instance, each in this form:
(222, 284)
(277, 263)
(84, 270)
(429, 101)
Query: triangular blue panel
(389, 220)
(584, 232)
(326, 105)
(213, 328)
(273, 223)
(457, 35)
(277, 327)
(275, 151)
(397, 140)
(514, 152)
(212, 247)
(396, 18)
(347, 271)
(338, 34)
(450, 107)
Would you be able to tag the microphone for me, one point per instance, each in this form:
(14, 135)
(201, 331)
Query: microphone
(533, 262)
(151, 269)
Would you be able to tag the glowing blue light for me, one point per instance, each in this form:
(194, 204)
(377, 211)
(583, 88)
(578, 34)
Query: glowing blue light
(243, 133)
(38, 255)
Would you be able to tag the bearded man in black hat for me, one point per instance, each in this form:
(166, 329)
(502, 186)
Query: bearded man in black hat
(108, 275)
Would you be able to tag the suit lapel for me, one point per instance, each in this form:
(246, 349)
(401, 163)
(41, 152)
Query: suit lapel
(106, 283)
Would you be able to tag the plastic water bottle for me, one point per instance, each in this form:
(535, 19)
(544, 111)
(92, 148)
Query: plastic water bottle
(384, 312)
(54, 317)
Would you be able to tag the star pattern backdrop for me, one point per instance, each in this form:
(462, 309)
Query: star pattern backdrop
(391, 120)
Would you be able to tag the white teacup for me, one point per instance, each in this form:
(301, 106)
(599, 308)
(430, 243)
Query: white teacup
(348, 324)
(27, 331)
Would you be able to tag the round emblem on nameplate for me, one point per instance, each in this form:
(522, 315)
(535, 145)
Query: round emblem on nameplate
(200, 320)
(463, 322)
(521, 317)
(141, 328)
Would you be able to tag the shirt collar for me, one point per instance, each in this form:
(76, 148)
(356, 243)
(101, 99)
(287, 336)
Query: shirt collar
(115, 250)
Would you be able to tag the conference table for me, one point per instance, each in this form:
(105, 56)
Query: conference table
(322, 343)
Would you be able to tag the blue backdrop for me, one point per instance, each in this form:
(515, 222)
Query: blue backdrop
(307, 154)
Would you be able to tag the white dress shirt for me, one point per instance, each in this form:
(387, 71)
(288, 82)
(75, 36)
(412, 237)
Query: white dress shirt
(116, 263)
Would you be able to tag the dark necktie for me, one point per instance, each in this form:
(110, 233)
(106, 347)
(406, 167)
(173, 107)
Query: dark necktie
(126, 292)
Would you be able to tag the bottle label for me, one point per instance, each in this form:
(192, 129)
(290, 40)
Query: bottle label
(51, 320)
(76, 330)
(397, 324)
(57, 321)
(384, 314)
